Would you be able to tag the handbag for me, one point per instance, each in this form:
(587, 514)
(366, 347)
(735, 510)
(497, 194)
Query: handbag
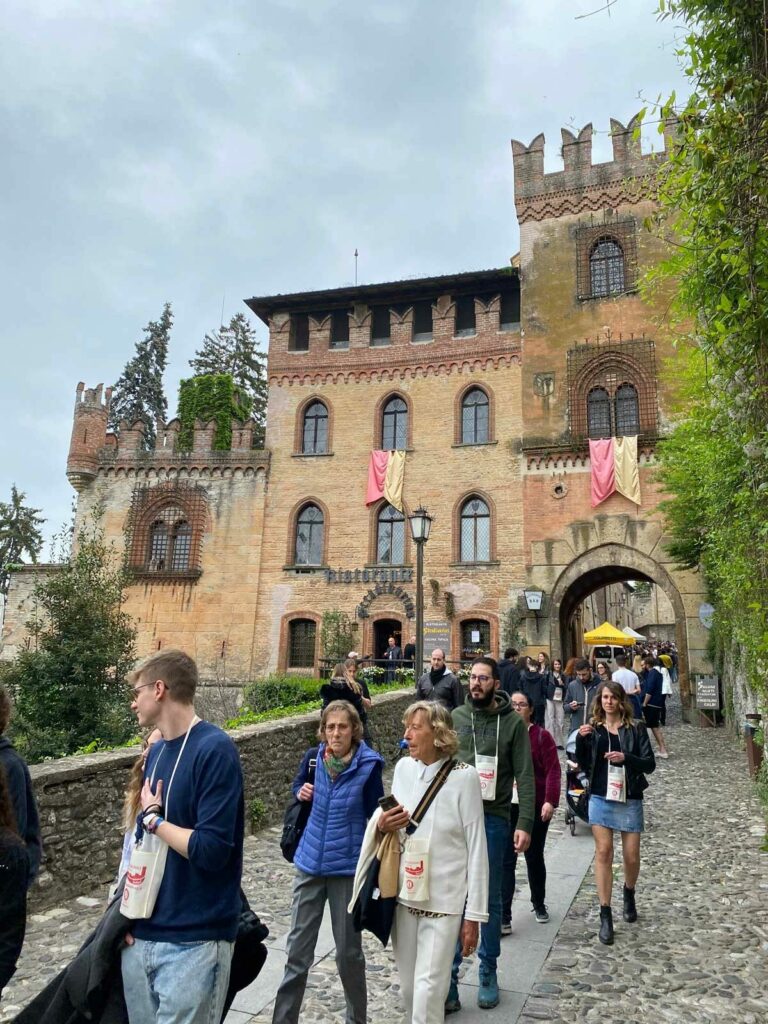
(374, 910)
(296, 817)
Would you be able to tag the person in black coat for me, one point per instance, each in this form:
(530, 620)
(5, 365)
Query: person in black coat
(393, 657)
(20, 789)
(14, 879)
(509, 674)
(534, 685)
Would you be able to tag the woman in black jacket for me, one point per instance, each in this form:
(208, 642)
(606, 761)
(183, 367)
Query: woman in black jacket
(534, 685)
(615, 754)
(14, 875)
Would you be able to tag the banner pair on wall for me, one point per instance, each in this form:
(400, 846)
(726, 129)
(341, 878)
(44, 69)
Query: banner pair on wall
(614, 468)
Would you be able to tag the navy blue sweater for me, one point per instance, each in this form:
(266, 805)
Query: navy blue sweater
(199, 897)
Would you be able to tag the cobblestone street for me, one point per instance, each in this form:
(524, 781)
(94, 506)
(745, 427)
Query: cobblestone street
(699, 952)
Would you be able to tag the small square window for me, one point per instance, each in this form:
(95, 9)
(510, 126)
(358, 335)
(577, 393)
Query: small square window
(466, 325)
(422, 320)
(299, 340)
(340, 328)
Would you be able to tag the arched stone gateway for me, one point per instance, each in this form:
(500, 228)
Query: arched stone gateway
(591, 554)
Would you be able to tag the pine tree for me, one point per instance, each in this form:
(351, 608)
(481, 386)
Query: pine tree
(19, 534)
(138, 393)
(233, 350)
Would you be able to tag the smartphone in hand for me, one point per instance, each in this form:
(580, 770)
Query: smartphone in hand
(386, 803)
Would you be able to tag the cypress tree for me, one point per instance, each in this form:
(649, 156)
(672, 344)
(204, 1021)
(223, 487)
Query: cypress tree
(138, 393)
(233, 350)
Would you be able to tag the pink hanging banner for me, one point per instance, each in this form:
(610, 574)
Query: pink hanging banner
(603, 463)
(377, 473)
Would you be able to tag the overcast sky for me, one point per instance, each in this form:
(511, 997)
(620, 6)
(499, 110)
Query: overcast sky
(201, 153)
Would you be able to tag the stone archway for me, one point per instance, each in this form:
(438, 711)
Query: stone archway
(614, 563)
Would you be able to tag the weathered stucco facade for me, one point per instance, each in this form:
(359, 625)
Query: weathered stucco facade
(495, 381)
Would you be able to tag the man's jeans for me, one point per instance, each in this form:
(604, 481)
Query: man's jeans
(176, 982)
(497, 839)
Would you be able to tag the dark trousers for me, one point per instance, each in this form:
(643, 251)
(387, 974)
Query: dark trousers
(534, 861)
(539, 714)
(663, 715)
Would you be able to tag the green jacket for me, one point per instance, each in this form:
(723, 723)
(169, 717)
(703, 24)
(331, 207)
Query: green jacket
(514, 762)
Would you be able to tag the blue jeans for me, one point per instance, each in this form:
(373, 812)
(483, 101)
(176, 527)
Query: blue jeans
(497, 840)
(176, 982)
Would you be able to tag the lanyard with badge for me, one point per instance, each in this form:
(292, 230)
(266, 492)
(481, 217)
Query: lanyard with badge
(147, 865)
(616, 790)
(485, 765)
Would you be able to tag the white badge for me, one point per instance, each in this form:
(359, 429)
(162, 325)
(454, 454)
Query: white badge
(617, 784)
(515, 797)
(486, 767)
(558, 694)
(415, 863)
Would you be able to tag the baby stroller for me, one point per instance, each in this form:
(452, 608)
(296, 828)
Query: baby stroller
(576, 787)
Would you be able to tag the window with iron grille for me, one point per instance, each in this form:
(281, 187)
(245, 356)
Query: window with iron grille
(627, 411)
(422, 321)
(474, 417)
(182, 546)
(299, 339)
(394, 425)
(309, 536)
(606, 268)
(606, 258)
(475, 637)
(475, 527)
(599, 413)
(315, 432)
(158, 545)
(301, 643)
(390, 536)
(466, 324)
(381, 331)
(164, 530)
(340, 328)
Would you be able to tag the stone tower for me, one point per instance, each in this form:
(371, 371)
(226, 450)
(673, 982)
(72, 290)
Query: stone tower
(89, 434)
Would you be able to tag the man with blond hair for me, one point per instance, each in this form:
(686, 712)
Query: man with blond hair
(176, 963)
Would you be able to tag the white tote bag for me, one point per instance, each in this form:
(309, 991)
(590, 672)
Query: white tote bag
(147, 865)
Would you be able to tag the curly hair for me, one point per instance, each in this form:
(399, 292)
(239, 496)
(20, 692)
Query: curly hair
(625, 707)
(132, 799)
(352, 715)
(445, 738)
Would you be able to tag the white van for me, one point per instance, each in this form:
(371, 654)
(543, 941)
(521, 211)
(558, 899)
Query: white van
(606, 653)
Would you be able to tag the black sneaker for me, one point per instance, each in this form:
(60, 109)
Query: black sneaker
(541, 913)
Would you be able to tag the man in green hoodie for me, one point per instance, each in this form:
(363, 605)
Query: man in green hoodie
(495, 740)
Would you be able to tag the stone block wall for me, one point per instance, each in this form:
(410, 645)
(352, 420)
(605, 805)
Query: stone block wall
(80, 798)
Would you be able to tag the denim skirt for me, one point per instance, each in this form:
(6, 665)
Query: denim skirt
(626, 817)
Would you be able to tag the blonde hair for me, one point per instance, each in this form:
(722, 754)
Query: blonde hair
(349, 674)
(132, 799)
(625, 707)
(352, 715)
(176, 669)
(445, 738)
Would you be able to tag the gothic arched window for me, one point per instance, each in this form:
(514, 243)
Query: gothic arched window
(390, 536)
(474, 417)
(606, 268)
(315, 430)
(309, 536)
(394, 425)
(475, 526)
(627, 411)
(301, 643)
(599, 413)
(158, 546)
(181, 546)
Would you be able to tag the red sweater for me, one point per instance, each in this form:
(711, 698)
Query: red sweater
(546, 767)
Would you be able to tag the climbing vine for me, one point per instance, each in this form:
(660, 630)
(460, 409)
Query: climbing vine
(210, 397)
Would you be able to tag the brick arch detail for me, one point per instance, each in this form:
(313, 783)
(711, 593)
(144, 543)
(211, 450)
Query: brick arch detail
(378, 415)
(628, 370)
(395, 615)
(147, 506)
(456, 522)
(298, 431)
(285, 624)
(461, 394)
(293, 518)
(467, 616)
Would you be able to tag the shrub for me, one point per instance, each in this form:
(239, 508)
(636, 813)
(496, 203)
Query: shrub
(279, 692)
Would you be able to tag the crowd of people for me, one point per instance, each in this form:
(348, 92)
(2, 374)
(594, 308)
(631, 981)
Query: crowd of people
(478, 783)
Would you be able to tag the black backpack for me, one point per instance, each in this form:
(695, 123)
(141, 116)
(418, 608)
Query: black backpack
(296, 817)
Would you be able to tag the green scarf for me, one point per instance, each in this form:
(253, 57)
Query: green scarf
(336, 765)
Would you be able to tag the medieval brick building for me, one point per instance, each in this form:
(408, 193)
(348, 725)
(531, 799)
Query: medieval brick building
(491, 383)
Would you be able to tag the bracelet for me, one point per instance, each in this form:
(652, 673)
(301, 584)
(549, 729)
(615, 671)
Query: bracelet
(156, 808)
(156, 822)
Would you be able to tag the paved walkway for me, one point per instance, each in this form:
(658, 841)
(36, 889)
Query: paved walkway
(698, 953)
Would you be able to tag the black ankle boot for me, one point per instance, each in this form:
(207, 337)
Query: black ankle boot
(606, 926)
(630, 910)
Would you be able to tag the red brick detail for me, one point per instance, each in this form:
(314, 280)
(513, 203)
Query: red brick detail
(282, 659)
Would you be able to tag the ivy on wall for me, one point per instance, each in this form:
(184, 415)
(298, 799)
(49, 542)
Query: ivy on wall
(215, 397)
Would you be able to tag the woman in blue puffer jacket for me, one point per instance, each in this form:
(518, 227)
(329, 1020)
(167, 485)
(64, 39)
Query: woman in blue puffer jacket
(344, 795)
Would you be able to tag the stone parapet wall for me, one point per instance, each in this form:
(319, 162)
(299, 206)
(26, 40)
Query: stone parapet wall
(80, 798)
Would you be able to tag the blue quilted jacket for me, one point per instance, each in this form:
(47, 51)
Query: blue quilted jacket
(334, 834)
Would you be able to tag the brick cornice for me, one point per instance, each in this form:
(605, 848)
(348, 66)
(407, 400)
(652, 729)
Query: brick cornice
(575, 455)
(439, 367)
(562, 202)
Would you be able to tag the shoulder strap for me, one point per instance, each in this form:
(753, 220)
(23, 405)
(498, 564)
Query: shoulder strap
(312, 765)
(434, 788)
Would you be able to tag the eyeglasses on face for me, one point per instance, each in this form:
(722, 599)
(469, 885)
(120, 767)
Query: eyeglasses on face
(519, 704)
(479, 679)
(134, 690)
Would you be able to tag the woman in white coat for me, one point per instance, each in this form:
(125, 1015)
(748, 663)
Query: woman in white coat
(444, 865)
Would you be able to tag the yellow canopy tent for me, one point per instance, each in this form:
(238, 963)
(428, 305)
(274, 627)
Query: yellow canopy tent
(608, 634)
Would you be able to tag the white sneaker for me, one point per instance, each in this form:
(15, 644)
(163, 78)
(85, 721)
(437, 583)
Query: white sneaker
(662, 754)
(506, 928)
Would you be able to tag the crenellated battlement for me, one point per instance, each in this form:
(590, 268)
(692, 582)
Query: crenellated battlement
(93, 448)
(582, 184)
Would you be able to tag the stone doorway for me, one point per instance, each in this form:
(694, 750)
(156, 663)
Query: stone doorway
(383, 629)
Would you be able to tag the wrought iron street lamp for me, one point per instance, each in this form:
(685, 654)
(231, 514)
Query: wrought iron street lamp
(420, 521)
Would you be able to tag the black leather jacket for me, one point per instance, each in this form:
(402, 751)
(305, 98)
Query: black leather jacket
(638, 757)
